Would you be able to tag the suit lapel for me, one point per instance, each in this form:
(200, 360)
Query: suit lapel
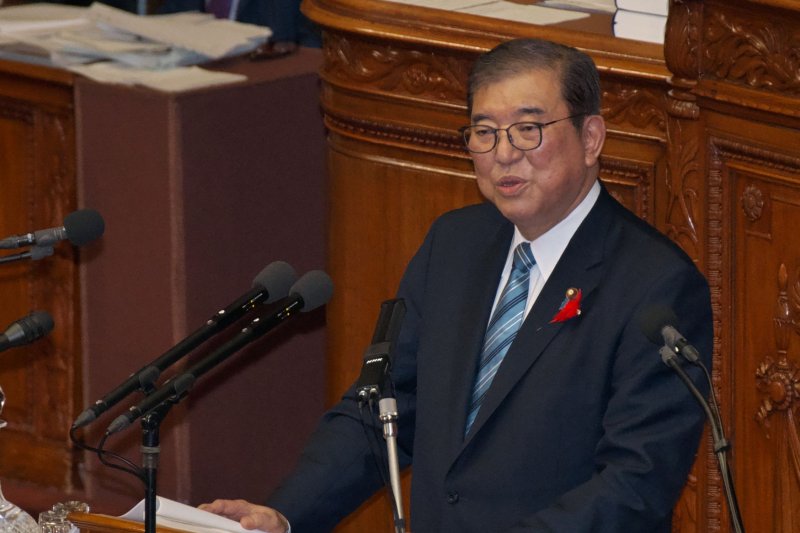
(482, 277)
(580, 267)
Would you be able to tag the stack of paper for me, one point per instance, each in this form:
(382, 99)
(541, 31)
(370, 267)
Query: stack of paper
(81, 35)
(177, 515)
(642, 20)
(109, 44)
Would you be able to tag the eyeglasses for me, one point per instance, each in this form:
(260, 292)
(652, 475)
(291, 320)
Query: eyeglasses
(522, 135)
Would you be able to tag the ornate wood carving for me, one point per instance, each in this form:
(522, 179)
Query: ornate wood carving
(630, 182)
(714, 274)
(751, 51)
(396, 134)
(389, 68)
(640, 107)
(778, 379)
(683, 186)
(682, 53)
(752, 203)
(778, 382)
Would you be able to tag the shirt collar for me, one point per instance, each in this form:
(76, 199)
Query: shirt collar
(547, 248)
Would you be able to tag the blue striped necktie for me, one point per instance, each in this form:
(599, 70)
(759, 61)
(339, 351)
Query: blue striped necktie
(503, 326)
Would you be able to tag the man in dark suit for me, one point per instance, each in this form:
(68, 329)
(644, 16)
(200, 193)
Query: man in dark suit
(569, 422)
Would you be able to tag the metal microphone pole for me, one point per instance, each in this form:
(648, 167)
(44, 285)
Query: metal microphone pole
(387, 412)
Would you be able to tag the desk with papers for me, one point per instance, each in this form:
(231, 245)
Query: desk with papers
(114, 46)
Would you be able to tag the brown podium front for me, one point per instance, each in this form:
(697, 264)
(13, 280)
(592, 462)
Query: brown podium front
(101, 523)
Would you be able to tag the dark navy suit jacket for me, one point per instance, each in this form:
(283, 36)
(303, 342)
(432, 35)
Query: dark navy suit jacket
(584, 428)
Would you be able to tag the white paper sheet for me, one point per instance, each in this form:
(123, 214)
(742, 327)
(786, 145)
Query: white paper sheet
(525, 13)
(169, 80)
(206, 35)
(603, 6)
(181, 516)
(446, 5)
(41, 17)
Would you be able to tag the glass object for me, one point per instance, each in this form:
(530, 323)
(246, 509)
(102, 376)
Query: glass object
(65, 508)
(12, 518)
(54, 522)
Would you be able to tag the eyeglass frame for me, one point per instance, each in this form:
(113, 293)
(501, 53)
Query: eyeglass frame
(540, 125)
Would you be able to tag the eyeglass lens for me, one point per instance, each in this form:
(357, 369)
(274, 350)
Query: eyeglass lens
(523, 135)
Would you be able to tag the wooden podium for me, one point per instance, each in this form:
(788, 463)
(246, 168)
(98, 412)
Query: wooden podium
(101, 523)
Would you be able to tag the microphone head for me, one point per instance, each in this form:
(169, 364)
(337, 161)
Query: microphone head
(29, 328)
(315, 288)
(653, 320)
(276, 278)
(84, 226)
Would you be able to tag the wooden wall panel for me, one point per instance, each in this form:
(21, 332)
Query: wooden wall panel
(760, 194)
(37, 183)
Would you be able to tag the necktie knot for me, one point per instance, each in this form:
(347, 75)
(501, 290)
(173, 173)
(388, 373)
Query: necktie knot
(523, 257)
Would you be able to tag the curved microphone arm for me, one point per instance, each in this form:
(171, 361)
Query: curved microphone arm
(721, 444)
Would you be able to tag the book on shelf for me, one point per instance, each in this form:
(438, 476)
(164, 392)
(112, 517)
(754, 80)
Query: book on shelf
(653, 7)
(640, 26)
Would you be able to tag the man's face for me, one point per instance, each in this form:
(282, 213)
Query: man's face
(538, 188)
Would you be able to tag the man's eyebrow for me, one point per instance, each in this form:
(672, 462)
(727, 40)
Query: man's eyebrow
(531, 111)
(521, 111)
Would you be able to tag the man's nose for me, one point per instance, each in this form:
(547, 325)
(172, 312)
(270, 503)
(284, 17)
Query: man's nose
(505, 151)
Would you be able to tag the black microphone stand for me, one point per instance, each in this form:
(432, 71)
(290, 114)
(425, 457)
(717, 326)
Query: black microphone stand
(151, 449)
(721, 444)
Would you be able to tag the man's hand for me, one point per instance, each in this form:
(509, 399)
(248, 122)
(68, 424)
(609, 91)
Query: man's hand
(249, 515)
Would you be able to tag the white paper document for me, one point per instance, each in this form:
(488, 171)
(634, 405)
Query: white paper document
(533, 14)
(602, 6)
(525, 13)
(169, 80)
(445, 5)
(41, 17)
(114, 46)
(177, 515)
(196, 32)
(94, 28)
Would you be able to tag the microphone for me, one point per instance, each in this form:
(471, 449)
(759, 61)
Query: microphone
(378, 356)
(27, 329)
(309, 292)
(657, 325)
(271, 284)
(80, 227)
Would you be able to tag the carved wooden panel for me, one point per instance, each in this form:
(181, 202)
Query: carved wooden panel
(760, 193)
(37, 181)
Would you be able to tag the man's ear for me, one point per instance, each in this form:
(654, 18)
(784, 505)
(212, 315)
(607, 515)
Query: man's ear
(594, 135)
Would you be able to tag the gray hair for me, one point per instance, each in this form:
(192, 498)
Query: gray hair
(580, 82)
